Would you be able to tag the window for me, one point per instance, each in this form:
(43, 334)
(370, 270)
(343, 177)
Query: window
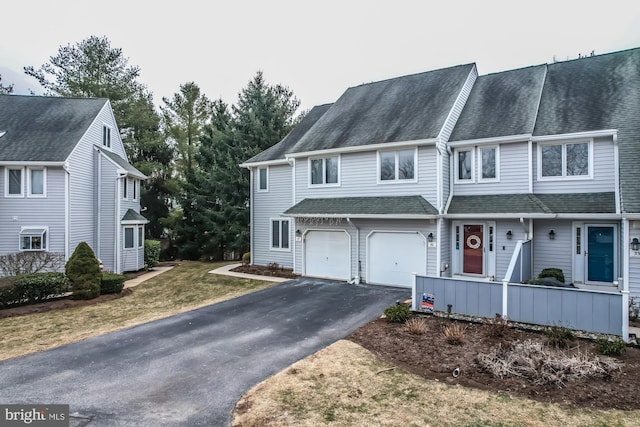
(140, 236)
(13, 182)
(33, 239)
(325, 171)
(464, 165)
(135, 189)
(568, 160)
(37, 182)
(263, 179)
(106, 136)
(125, 190)
(488, 164)
(397, 165)
(128, 237)
(280, 234)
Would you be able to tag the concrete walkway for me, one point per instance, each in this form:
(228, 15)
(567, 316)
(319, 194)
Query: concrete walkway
(225, 270)
(146, 276)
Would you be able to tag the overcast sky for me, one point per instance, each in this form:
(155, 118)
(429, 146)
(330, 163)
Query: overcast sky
(318, 49)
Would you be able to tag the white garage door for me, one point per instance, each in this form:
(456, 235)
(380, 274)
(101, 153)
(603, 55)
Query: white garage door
(327, 254)
(394, 256)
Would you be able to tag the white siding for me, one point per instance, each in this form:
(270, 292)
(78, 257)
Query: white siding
(634, 278)
(458, 105)
(504, 247)
(269, 205)
(106, 211)
(555, 253)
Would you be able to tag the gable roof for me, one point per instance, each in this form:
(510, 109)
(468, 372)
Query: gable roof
(132, 216)
(278, 151)
(123, 164)
(364, 207)
(44, 128)
(501, 104)
(405, 108)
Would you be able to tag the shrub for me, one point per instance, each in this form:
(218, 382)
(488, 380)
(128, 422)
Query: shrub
(8, 296)
(111, 283)
(416, 325)
(246, 258)
(40, 286)
(634, 309)
(611, 347)
(559, 336)
(83, 270)
(398, 313)
(31, 262)
(151, 253)
(454, 333)
(273, 266)
(555, 273)
(496, 327)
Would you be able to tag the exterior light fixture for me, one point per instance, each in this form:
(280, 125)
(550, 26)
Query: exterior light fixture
(298, 233)
(509, 234)
(635, 244)
(430, 237)
(552, 234)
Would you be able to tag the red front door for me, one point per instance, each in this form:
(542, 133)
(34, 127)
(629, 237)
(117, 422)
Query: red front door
(473, 249)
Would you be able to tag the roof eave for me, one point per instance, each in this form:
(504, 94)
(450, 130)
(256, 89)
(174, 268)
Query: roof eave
(364, 216)
(278, 162)
(492, 140)
(574, 135)
(365, 147)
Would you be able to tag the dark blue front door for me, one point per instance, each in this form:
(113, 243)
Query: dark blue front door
(601, 253)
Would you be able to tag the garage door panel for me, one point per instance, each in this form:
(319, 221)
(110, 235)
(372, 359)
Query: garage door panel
(328, 254)
(394, 256)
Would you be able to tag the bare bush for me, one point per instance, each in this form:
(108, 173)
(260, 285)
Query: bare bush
(496, 327)
(31, 262)
(543, 365)
(416, 325)
(454, 333)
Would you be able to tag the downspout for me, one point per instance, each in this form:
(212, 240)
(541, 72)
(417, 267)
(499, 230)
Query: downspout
(99, 212)
(119, 189)
(67, 210)
(292, 163)
(625, 280)
(616, 175)
(357, 277)
(251, 225)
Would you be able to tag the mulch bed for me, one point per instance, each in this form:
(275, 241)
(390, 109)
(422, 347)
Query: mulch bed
(262, 270)
(431, 357)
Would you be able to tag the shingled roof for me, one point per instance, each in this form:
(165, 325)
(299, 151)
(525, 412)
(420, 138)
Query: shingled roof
(44, 128)
(501, 104)
(392, 207)
(401, 109)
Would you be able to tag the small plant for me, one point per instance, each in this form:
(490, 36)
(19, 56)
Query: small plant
(151, 253)
(83, 270)
(246, 258)
(555, 273)
(273, 266)
(559, 336)
(398, 313)
(613, 347)
(496, 327)
(416, 325)
(111, 283)
(454, 333)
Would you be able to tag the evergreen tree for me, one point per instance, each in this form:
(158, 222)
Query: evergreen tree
(5, 90)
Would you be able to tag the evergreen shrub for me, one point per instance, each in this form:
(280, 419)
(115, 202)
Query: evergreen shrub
(111, 283)
(151, 253)
(83, 270)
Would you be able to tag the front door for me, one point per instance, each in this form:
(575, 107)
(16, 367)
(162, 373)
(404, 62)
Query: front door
(472, 258)
(601, 254)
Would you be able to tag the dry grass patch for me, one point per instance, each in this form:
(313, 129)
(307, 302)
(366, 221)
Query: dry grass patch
(346, 385)
(183, 288)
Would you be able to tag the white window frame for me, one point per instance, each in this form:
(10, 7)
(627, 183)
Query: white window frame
(135, 189)
(133, 237)
(106, 136)
(280, 221)
(324, 171)
(266, 179)
(125, 188)
(456, 165)
(396, 180)
(141, 236)
(44, 236)
(564, 175)
(30, 193)
(480, 165)
(6, 181)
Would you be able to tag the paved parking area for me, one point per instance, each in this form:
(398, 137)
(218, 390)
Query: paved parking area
(191, 369)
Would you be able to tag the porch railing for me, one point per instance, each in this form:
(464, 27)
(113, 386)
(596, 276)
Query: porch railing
(586, 310)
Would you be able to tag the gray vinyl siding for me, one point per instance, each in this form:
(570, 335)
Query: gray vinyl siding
(603, 172)
(557, 253)
(106, 211)
(133, 258)
(268, 205)
(359, 178)
(106, 118)
(34, 212)
(445, 247)
(450, 123)
(504, 247)
(514, 173)
(634, 278)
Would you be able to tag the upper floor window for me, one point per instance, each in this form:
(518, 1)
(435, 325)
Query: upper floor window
(464, 165)
(106, 136)
(37, 182)
(279, 234)
(488, 158)
(566, 160)
(263, 179)
(325, 170)
(397, 165)
(13, 182)
(33, 239)
(125, 189)
(135, 189)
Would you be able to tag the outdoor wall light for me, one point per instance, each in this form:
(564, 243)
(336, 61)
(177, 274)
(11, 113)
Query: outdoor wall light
(509, 234)
(430, 237)
(635, 244)
(552, 234)
(298, 233)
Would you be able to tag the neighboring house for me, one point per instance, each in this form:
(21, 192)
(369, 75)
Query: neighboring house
(65, 179)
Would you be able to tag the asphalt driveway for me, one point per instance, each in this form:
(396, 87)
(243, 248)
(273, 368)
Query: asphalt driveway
(191, 369)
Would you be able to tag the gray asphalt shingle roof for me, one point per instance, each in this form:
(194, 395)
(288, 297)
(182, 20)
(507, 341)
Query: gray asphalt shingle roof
(501, 104)
(363, 206)
(401, 109)
(132, 215)
(44, 128)
(124, 164)
(525, 203)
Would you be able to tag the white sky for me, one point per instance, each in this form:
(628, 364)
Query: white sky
(317, 49)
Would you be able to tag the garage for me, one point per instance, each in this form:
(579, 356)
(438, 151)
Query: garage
(393, 256)
(327, 254)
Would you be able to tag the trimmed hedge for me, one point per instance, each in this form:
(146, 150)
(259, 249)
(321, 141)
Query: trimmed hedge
(111, 283)
(151, 253)
(32, 288)
(555, 273)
